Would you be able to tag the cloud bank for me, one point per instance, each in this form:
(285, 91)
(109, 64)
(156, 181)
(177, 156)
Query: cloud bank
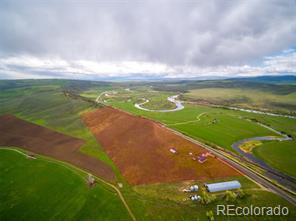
(159, 39)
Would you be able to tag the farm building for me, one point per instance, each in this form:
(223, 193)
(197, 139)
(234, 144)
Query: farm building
(202, 158)
(215, 187)
(173, 150)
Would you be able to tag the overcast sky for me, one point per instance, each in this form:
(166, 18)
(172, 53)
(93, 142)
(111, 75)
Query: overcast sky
(149, 39)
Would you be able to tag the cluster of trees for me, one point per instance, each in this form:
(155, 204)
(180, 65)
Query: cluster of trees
(207, 198)
(231, 196)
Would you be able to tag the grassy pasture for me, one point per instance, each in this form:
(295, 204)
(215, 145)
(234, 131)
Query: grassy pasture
(162, 199)
(217, 126)
(42, 189)
(280, 155)
(246, 98)
(158, 102)
(224, 132)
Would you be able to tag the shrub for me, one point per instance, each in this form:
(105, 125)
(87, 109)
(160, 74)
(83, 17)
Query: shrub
(240, 193)
(230, 196)
(210, 215)
(207, 198)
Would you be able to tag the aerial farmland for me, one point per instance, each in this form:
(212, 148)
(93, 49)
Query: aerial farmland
(146, 161)
(147, 110)
(141, 150)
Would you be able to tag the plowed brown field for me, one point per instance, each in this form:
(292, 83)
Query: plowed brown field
(140, 149)
(41, 140)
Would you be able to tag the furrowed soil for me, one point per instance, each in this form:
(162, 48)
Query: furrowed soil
(37, 139)
(141, 149)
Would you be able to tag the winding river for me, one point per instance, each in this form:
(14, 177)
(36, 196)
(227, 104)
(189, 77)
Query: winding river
(259, 112)
(173, 99)
(250, 156)
(275, 174)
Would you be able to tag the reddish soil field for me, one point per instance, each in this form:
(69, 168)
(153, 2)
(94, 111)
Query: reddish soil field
(141, 149)
(41, 140)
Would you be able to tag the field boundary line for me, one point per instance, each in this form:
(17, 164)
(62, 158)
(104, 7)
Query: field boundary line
(15, 150)
(190, 121)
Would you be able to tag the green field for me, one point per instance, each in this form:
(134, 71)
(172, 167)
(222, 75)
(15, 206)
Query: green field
(246, 98)
(43, 189)
(158, 102)
(280, 155)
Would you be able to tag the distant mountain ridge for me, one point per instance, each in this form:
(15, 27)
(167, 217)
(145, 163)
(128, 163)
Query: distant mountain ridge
(270, 79)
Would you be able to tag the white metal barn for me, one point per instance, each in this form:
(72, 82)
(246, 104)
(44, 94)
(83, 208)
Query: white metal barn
(230, 185)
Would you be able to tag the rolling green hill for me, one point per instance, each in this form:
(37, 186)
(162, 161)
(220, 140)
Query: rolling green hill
(47, 105)
(41, 189)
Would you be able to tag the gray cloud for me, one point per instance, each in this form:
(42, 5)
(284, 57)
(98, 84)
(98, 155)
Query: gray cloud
(173, 33)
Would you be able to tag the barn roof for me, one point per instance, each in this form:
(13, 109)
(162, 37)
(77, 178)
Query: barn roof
(215, 187)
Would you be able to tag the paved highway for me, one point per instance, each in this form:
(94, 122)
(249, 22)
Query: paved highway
(248, 172)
